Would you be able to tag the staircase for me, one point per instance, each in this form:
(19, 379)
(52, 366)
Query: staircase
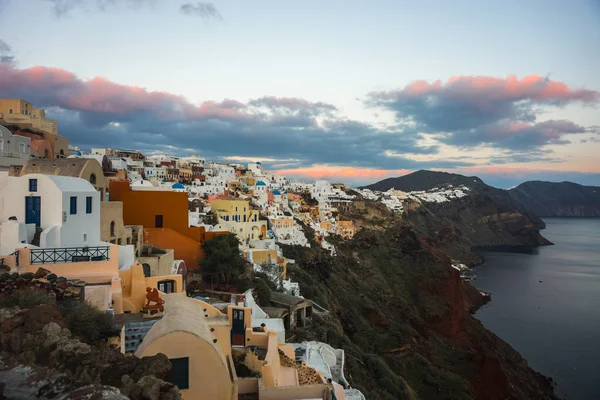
(36, 237)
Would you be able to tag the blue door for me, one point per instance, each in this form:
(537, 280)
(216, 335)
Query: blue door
(33, 205)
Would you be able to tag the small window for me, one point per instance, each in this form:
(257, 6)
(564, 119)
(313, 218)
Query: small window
(22, 146)
(180, 372)
(33, 185)
(10, 110)
(88, 205)
(112, 228)
(73, 205)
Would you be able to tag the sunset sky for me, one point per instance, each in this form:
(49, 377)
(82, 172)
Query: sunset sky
(351, 91)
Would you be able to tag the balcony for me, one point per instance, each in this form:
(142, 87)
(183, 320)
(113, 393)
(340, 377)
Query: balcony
(69, 255)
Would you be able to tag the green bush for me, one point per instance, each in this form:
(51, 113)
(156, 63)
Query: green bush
(86, 321)
(27, 298)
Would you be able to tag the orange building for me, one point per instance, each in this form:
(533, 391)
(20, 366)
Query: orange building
(164, 216)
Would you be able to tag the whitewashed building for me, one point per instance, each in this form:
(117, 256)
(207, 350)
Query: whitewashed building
(65, 209)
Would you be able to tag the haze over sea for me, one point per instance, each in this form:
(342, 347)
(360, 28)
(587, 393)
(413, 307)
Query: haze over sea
(546, 304)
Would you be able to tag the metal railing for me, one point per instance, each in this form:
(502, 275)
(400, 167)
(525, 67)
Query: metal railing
(69, 255)
(16, 254)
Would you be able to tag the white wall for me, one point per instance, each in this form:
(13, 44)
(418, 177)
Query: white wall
(77, 230)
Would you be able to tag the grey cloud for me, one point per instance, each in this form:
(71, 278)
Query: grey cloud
(6, 54)
(470, 111)
(63, 7)
(202, 10)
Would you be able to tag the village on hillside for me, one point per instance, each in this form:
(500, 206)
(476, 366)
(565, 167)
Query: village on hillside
(138, 234)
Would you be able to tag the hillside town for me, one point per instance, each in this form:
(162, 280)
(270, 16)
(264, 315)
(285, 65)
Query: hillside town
(128, 233)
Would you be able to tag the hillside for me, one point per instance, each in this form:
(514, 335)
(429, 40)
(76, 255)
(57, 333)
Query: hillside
(486, 217)
(552, 199)
(424, 180)
(401, 313)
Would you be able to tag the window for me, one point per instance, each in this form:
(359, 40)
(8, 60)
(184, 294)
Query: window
(180, 372)
(88, 205)
(10, 110)
(22, 146)
(112, 228)
(147, 270)
(33, 185)
(93, 179)
(73, 205)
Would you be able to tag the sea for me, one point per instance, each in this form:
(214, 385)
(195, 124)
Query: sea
(546, 305)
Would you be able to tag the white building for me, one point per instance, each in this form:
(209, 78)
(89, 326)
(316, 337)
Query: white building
(260, 190)
(14, 149)
(159, 173)
(66, 211)
(255, 168)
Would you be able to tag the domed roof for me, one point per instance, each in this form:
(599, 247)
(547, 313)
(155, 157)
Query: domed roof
(178, 186)
(258, 163)
(260, 183)
(276, 192)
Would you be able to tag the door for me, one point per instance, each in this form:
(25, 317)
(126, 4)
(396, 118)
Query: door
(33, 206)
(158, 221)
(238, 329)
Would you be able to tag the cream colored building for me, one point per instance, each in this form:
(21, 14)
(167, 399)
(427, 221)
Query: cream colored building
(112, 228)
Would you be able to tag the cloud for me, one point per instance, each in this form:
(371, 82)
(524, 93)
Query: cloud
(6, 54)
(64, 7)
(475, 110)
(202, 10)
(98, 112)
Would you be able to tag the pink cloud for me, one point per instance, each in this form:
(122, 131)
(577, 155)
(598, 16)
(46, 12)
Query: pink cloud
(56, 87)
(534, 87)
(341, 172)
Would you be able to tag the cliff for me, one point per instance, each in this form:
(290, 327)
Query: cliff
(401, 313)
(486, 217)
(552, 199)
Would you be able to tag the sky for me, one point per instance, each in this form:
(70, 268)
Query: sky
(351, 91)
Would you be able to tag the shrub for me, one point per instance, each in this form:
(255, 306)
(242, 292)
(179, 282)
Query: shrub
(87, 322)
(27, 298)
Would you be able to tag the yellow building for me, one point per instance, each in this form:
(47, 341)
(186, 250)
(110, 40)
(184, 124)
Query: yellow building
(346, 229)
(236, 216)
(282, 223)
(208, 351)
(22, 114)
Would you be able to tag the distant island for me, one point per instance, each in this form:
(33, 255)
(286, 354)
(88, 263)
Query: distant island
(558, 199)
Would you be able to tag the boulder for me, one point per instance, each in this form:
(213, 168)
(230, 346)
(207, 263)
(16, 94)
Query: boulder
(41, 273)
(38, 317)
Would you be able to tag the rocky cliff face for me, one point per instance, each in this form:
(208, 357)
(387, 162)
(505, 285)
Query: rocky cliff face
(564, 199)
(486, 218)
(401, 313)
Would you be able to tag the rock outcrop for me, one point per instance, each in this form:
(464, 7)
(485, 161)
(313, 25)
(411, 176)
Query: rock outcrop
(40, 358)
(553, 199)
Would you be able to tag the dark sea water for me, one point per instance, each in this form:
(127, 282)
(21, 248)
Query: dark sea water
(555, 323)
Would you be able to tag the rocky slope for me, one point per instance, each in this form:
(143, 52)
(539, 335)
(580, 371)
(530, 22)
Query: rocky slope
(42, 356)
(401, 313)
(553, 199)
(485, 218)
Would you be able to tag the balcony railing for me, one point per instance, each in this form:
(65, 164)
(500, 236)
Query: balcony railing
(69, 255)
(9, 155)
